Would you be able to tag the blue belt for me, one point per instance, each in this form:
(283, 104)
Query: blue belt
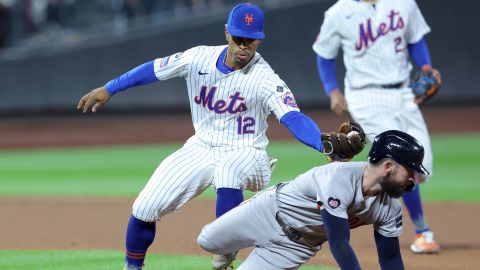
(392, 86)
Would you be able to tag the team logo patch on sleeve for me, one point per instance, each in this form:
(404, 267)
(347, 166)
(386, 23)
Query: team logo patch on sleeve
(333, 203)
(280, 89)
(289, 100)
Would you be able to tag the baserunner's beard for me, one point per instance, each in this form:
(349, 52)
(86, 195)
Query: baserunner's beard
(390, 188)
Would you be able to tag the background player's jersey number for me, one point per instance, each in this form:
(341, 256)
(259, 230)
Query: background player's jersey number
(398, 44)
(246, 125)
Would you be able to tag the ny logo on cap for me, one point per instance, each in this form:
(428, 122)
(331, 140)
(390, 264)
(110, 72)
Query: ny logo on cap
(248, 18)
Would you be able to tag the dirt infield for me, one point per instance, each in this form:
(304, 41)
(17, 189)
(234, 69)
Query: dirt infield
(86, 223)
(98, 223)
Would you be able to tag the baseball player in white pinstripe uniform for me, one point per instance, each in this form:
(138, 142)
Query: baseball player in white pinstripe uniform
(232, 90)
(377, 38)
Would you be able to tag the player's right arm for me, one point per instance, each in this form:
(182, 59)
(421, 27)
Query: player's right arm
(388, 250)
(338, 234)
(141, 75)
(326, 70)
(176, 65)
(335, 189)
(326, 47)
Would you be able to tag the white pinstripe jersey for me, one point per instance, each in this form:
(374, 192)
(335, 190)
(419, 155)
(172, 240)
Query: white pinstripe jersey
(374, 39)
(228, 109)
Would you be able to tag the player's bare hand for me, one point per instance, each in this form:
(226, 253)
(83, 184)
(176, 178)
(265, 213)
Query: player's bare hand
(338, 104)
(94, 99)
(419, 100)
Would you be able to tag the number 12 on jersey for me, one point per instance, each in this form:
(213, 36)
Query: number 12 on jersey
(246, 125)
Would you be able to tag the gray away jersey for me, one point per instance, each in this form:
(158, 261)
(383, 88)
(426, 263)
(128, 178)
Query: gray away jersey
(228, 109)
(337, 188)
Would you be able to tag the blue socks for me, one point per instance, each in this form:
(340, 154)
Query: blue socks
(140, 235)
(227, 199)
(413, 202)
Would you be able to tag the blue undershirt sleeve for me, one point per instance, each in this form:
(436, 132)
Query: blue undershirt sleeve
(303, 128)
(326, 70)
(141, 75)
(419, 53)
(388, 250)
(338, 235)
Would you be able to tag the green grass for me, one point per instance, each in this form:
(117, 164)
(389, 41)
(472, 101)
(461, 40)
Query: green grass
(124, 170)
(101, 260)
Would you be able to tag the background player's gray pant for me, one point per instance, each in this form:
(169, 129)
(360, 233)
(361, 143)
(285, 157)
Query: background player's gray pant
(253, 223)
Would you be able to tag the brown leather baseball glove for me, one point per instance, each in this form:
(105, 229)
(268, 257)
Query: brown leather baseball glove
(344, 144)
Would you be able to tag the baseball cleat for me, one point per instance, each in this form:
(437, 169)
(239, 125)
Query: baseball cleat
(424, 244)
(223, 262)
(132, 267)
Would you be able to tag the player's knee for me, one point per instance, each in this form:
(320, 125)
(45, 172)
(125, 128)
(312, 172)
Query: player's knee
(144, 212)
(204, 241)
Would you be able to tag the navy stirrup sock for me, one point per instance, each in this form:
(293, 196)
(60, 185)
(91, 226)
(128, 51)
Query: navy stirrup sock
(227, 199)
(413, 202)
(140, 235)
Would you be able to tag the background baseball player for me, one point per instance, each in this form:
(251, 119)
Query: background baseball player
(289, 222)
(377, 38)
(231, 90)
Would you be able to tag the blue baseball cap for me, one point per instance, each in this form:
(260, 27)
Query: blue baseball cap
(246, 20)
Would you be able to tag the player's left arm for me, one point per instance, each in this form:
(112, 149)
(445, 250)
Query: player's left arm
(338, 234)
(303, 128)
(388, 250)
(428, 80)
(338, 146)
(280, 100)
(421, 56)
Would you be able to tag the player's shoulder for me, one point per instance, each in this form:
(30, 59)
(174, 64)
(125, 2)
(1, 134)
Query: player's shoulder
(206, 49)
(262, 65)
(340, 7)
(409, 4)
(265, 71)
(200, 54)
(339, 167)
(348, 171)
